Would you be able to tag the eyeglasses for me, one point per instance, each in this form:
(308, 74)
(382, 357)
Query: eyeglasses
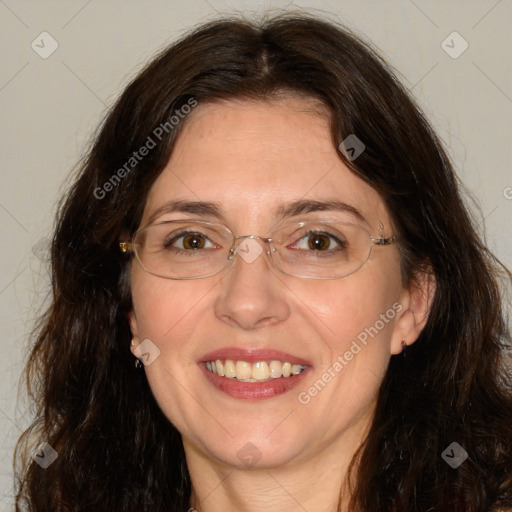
(316, 249)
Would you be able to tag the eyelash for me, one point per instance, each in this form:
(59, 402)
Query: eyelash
(340, 243)
(168, 243)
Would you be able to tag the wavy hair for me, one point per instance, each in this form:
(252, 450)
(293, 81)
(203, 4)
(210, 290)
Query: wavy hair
(116, 449)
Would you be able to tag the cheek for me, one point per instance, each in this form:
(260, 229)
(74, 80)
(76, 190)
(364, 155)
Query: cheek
(162, 306)
(360, 317)
(353, 306)
(167, 313)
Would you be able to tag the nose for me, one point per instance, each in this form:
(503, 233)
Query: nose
(252, 295)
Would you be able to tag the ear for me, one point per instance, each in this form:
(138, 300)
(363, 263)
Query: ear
(132, 319)
(416, 302)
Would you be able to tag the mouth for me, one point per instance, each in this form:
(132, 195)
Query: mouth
(253, 374)
(259, 371)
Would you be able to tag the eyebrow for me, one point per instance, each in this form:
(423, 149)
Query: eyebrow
(291, 209)
(192, 207)
(304, 206)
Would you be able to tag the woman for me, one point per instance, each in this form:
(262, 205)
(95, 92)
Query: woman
(268, 294)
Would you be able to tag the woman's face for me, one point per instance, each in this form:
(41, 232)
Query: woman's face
(251, 159)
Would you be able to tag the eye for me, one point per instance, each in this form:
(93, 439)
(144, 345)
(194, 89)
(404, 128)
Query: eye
(319, 241)
(189, 241)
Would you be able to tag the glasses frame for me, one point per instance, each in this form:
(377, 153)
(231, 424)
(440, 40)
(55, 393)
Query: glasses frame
(130, 246)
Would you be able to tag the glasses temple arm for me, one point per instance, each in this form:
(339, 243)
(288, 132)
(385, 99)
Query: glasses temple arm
(383, 241)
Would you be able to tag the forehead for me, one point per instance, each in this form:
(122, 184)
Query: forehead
(251, 157)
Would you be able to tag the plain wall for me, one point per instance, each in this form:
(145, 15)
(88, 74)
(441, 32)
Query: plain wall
(51, 106)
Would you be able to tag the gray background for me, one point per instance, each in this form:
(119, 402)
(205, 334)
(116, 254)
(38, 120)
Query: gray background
(51, 106)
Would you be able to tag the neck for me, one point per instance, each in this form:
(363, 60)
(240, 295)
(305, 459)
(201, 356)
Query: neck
(317, 483)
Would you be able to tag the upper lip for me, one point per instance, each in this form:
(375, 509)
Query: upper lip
(253, 355)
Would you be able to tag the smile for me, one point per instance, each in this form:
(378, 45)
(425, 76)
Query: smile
(258, 371)
(253, 373)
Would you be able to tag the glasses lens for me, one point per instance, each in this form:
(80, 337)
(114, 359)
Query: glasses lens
(183, 250)
(321, 250)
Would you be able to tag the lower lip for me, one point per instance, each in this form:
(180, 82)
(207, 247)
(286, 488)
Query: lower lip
(253, 390)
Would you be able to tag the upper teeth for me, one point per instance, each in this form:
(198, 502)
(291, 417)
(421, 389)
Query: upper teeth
(252, 372)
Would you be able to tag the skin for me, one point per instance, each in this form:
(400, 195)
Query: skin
(251, 157)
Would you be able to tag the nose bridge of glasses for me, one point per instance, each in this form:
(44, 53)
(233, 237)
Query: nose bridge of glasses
(250, 247)
(252, 237)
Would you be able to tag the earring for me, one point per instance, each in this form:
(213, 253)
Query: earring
(138, 364)
(404, 348)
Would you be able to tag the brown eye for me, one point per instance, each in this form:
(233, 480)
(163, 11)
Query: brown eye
(193, 242)
(318, 241)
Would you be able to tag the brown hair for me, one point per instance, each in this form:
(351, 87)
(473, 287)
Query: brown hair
(116, 449)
